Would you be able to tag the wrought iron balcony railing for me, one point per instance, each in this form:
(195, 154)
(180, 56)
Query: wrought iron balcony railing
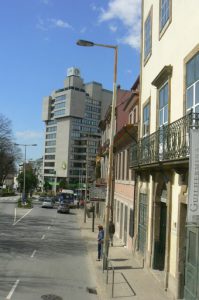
(168, 143)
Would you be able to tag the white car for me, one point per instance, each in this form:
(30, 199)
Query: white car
(47, 203)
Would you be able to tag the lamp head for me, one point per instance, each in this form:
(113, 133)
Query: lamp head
(85, 43)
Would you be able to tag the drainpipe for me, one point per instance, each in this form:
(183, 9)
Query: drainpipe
(152, 237)
(167, 255)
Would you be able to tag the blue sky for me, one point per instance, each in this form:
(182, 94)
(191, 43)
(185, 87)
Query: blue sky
(38, 44)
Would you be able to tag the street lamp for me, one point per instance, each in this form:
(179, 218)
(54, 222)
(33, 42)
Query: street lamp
(112, 124)
(24, 168)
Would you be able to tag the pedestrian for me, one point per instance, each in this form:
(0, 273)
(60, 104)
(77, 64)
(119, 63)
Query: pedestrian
(111, 231)
(100, 241)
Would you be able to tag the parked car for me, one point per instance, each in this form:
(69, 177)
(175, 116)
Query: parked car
(47, 203)
(63, 208)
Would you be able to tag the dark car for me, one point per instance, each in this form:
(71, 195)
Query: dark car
(63, 208)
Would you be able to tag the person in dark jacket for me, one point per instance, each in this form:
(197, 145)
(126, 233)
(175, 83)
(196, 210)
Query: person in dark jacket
(111, 231)
(100, 241)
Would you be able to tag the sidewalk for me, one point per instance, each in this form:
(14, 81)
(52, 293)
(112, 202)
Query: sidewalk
(131, 280)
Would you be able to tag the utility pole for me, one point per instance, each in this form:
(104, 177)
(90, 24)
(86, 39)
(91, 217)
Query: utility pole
(112, 132)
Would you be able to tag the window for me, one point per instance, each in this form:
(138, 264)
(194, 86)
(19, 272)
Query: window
(118, 210)
(51, 136)
(51, 122)
(146, 120)
(60, 98)
(50, 150)
(133, 116)
(163, 104)
(164, 13)
(49, 157)
(51, 143)
(192, 84)
(59, 112)
(51, 129)
(60, 105)
(127, 163)
(147, 36)
(131, 223)
(49, 164)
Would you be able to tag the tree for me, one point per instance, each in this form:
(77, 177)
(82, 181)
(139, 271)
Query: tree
(9, 152)
(47, 186)
(31, 181)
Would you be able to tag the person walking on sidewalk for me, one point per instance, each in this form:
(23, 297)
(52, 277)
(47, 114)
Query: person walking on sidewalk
(111, 231)
(100, 240)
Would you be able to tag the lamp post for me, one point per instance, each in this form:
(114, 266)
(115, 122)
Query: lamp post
(112, 126)
(24, 168)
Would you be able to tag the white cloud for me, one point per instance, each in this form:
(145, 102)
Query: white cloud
(129, 71)
(28, 134)
(60, 23)
(83, 30)
(128, 12)
(45, 25)
(113, 28)
(93, 6)
(41, 25)
(45, 2)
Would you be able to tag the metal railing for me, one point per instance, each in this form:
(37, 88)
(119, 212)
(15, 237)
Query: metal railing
(168, 143)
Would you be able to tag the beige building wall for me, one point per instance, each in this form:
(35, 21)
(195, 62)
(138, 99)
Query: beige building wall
(170, 48)
(175, 44)
(62, 148)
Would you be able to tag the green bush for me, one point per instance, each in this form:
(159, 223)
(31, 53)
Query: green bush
(6, 193)
(27, 205)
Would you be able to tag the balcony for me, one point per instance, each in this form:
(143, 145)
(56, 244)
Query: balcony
(169, 143)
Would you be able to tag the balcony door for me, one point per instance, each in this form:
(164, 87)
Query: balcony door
(163, 116)
(160, 231)
(142, 225)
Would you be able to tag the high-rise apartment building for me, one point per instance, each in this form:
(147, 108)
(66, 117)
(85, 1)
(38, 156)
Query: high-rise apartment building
(71, 115)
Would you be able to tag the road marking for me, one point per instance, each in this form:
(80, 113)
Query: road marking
(48, 227)
(43, 237)
(33, 254)
(21, 217)
(13, 289)
(15, 216)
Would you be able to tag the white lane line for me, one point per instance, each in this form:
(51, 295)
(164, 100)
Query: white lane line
(22, 217)
(48, 227)
(33, 254)
(15, 216)
(43, 237)
(13, 289)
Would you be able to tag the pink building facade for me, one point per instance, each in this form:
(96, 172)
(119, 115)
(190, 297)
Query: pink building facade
(126, 132)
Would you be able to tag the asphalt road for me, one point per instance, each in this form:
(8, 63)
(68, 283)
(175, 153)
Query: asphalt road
(42, 253)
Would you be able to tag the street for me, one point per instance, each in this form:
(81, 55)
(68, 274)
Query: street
(42, 255)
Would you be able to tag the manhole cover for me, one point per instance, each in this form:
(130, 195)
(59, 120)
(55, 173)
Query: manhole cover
(51, 297)
(91, 290)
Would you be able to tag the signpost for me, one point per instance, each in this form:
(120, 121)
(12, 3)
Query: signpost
(193, 196)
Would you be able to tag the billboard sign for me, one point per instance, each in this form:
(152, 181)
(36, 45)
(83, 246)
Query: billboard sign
(193, 187)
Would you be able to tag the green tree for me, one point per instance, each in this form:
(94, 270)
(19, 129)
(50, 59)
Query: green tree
(31, 181)
(47, 186)
(9, 152)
